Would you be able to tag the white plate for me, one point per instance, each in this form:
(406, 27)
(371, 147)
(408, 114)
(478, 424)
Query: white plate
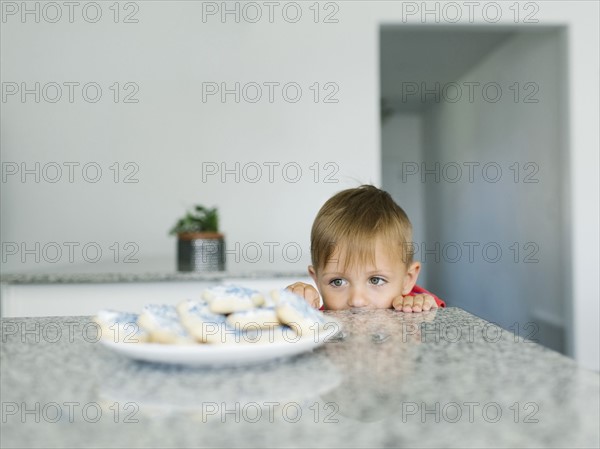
(211, 355)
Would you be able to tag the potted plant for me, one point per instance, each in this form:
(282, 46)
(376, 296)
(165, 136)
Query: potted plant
(200, 245)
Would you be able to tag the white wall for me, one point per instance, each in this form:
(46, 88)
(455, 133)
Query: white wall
(170, 132)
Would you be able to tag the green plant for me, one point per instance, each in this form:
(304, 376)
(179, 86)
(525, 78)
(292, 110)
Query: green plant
(199, 219)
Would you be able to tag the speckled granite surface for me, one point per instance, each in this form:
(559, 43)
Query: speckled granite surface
(138, 276)
(438, 379)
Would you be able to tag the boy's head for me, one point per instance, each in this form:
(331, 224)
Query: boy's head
(361, 250)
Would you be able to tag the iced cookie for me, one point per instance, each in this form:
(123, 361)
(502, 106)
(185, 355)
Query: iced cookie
(226, 299)
(163, 325)
(294, 311)
(213, 328)
(201, 323)
(120, 327)
(259, 318)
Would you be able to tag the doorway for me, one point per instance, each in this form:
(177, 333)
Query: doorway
(474, 145)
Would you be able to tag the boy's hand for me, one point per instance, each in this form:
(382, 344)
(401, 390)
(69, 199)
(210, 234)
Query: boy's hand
(417, 303)
(307, 291)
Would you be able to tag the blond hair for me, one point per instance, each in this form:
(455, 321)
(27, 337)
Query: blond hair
(352, 221)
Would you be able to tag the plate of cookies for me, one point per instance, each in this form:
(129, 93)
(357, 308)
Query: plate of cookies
(228, 325)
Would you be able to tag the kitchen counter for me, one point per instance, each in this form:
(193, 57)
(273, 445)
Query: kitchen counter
(438, 379)
(144, 270)
(108, 277)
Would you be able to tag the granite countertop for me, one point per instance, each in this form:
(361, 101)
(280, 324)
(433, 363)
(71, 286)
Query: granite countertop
(146, 269)
(438, 379)
(150, 275)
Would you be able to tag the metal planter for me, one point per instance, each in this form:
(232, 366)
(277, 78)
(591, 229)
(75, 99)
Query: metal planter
(200, 252)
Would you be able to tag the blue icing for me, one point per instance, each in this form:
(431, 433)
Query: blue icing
(225, 332)
(240, 291)
(116, 317)
(201, 310)
(166, 318)
(233, 290)
(126, 323)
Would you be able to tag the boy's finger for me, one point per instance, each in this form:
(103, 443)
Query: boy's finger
(398, 303)
(429, 303)
(307, 292)
(298, 289)
(312, 296)
(418, 303)
(408, 304)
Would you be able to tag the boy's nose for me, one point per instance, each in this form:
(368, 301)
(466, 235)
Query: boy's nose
(357, 299)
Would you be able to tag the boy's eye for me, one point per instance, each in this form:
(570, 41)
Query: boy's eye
(336, 282)
(375, 280)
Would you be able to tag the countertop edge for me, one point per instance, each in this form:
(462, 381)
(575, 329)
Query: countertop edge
(116, 277)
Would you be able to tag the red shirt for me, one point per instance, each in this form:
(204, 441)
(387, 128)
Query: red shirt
(417, 291)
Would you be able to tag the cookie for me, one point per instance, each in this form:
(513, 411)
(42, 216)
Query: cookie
(200, 322)
(225, 299)
(259, 318)
(294, 311)
(213, 328)
(162, 323)
(120, 327)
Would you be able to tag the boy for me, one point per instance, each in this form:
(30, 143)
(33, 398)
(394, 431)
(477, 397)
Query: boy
(362, 256)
